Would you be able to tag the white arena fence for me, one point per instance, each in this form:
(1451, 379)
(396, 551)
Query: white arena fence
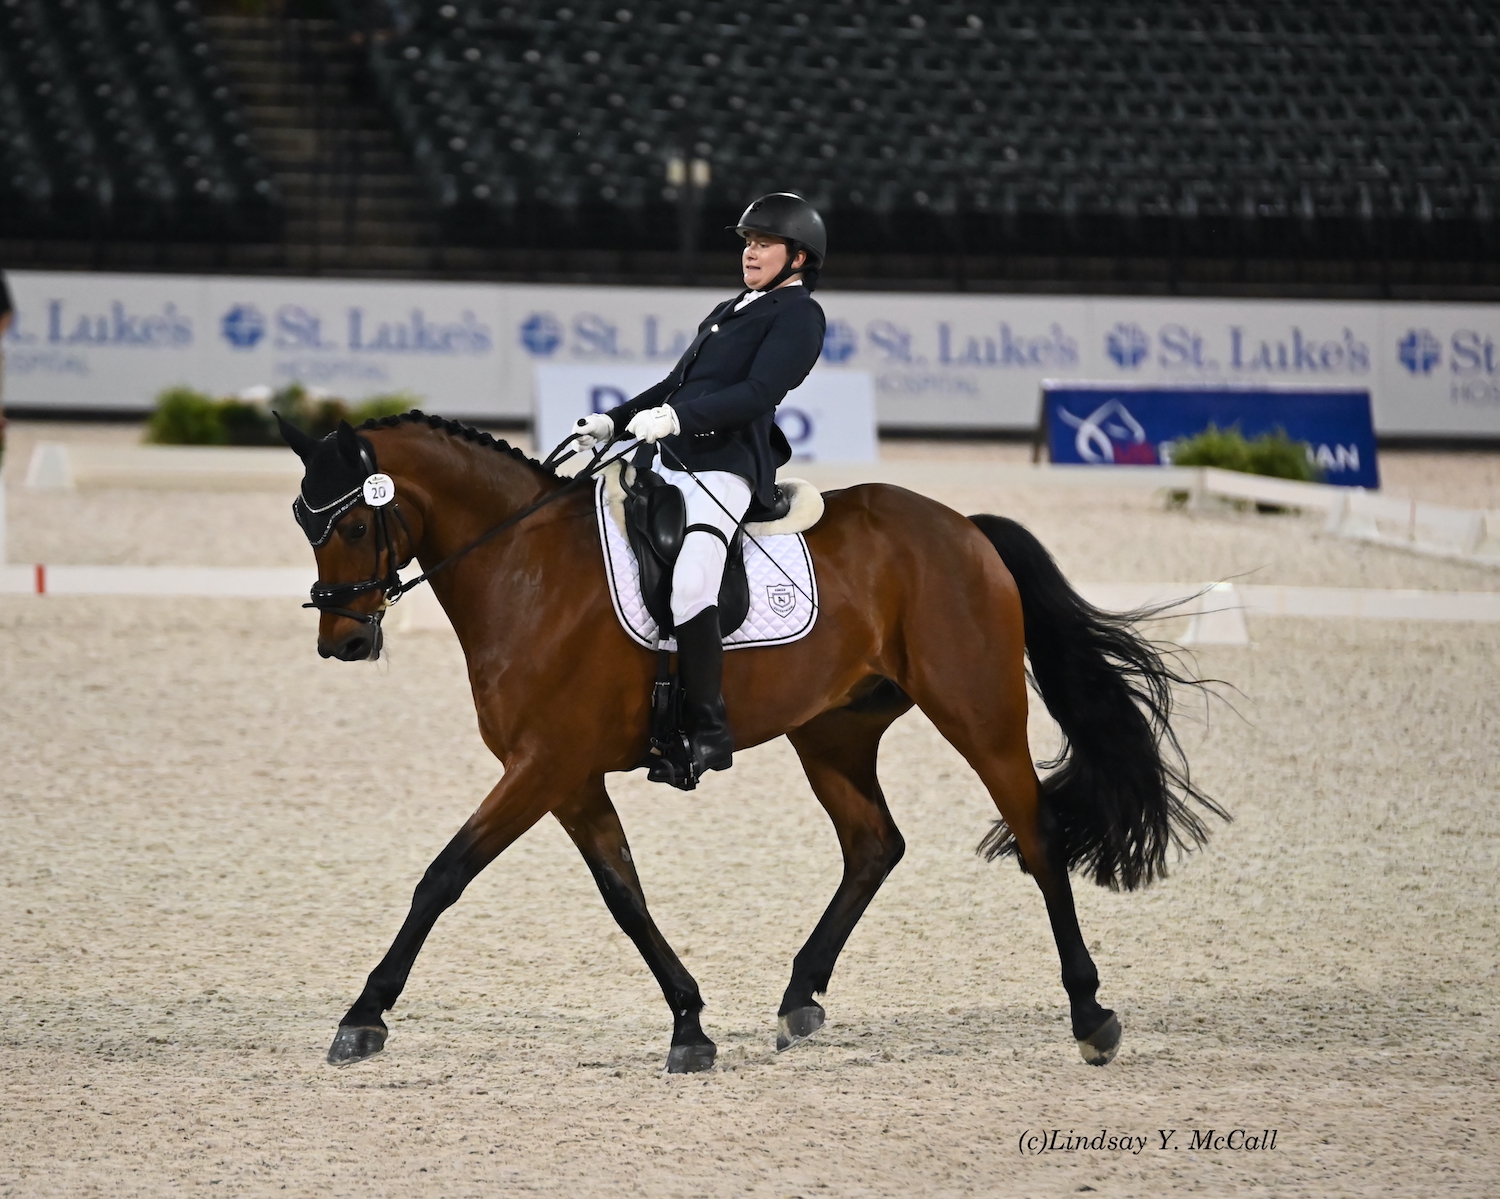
(1466, 534)
(1463, 533)
(1469, 534)
(1216, 611)
(63, 466)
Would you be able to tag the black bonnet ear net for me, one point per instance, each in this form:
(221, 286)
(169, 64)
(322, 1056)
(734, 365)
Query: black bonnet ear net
(301, 444)
(333, 482)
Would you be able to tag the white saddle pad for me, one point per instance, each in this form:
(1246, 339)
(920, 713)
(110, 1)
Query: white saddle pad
(783, 606)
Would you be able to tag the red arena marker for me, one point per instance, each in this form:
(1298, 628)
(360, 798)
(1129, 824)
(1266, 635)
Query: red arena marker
(41, 579)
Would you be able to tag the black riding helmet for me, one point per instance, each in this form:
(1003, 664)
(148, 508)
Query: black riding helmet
(791, 218)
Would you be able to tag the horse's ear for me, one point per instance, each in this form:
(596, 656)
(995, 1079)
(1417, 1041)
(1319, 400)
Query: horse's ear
(347, 441)
(302, 445)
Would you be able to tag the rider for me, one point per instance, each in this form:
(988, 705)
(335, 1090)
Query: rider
(714, 416)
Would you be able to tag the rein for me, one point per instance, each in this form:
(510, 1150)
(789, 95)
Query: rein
(334, 598)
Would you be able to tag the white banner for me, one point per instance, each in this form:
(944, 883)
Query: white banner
(936, 361)
(830, 418)
(101, 341)
(357, 339)
(114, 341)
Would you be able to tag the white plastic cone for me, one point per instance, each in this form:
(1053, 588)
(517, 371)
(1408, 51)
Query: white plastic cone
(50, 467)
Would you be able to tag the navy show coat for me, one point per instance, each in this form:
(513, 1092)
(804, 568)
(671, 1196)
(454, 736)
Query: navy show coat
(727, 384)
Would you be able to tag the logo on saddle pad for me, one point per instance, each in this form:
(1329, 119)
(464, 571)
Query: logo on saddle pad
(782, 598)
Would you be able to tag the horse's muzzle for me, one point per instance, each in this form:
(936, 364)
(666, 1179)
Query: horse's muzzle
(360, 644)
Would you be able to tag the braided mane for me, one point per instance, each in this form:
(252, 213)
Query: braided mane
(455, 429)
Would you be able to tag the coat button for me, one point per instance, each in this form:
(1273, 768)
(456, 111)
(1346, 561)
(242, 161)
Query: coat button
(713, 328)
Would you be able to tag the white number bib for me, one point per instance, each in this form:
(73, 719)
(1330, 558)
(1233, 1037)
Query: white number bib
(380, 490)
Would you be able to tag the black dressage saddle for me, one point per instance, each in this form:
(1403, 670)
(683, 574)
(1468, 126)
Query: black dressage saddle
(656, 523)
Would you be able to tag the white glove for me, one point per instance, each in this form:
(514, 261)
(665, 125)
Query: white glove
(593, 428)
(654, 424)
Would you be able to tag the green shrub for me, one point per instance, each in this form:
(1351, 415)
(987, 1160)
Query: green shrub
(320, 415)
(247, 423)
(186, 417)
(1277, 455)
(316, 416)
(1274, 454)
(1225, 448)
(387, 405)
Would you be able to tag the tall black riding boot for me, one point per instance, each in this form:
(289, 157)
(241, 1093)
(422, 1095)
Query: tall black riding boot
(700, 667)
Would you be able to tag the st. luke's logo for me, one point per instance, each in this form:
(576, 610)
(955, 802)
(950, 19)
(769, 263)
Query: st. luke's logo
(243, 326)
(782, 598)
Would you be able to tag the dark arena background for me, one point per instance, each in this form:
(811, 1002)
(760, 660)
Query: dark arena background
(1311, 149)
(508, 214)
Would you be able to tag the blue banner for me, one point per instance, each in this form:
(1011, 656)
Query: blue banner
(1136, 426)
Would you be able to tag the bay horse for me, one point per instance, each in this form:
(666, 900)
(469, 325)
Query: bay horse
(918, 606)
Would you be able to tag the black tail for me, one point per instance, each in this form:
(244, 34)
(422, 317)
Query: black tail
(1120, 794)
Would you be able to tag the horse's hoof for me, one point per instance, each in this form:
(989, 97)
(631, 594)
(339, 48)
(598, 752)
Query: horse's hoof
(1101, 1045)
(352, 1045)
(795, 1027)
(691, 1059)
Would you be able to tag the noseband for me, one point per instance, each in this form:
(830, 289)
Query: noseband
(335, 598)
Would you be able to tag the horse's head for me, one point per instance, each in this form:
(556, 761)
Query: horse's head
(359, 534)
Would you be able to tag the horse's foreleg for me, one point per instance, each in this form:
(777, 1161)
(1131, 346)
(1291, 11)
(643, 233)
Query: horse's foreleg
(594, 825)
(517, 802)
(838, 751)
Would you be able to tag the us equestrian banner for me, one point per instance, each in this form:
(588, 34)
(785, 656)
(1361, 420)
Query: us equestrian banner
(1124, 425)
(102, 341)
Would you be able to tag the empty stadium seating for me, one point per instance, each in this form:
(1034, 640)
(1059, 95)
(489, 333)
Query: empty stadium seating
(116, 121)
(1346, 128)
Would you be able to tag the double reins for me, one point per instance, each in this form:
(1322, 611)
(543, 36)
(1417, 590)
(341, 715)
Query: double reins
(334, 598)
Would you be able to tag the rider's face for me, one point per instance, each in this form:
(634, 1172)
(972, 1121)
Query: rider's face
(763, 259)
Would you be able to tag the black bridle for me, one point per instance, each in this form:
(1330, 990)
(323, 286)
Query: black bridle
(335, 598)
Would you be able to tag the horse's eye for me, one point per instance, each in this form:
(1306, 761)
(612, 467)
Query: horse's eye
(356, 532)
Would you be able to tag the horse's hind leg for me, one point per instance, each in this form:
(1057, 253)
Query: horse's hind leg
(995, 746)
(591, 820)
(1095, 1028)
(838, 751)
(973, 689)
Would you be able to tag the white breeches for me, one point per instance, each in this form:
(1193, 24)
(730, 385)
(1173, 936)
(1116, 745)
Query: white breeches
(700, 566)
